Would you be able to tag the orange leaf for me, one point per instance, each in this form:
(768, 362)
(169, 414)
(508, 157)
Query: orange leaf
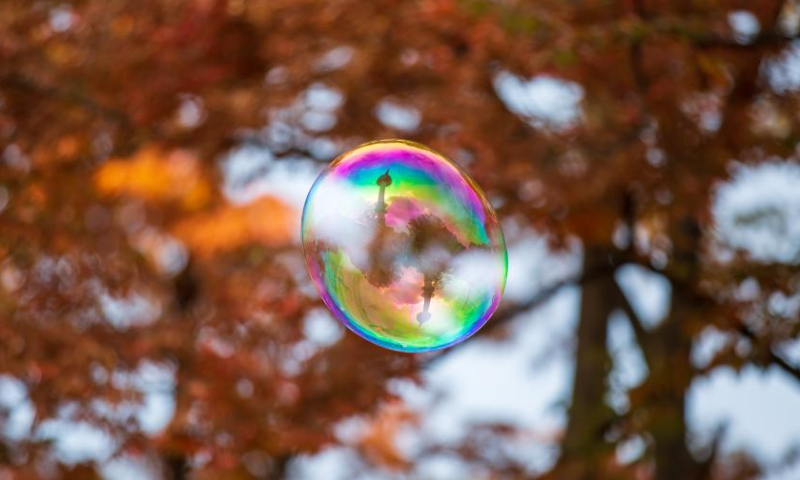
(267, 221)
(155, 176)
(379, 441)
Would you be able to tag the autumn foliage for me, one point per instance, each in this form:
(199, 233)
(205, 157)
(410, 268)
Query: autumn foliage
(121, 252)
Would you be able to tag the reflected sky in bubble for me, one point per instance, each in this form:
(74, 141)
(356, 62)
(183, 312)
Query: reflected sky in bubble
(403, 247)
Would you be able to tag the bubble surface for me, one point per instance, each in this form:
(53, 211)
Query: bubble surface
(403, 247)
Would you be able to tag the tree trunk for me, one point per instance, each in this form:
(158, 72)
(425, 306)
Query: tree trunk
(589, 416)
(670, 368)
(670, 377)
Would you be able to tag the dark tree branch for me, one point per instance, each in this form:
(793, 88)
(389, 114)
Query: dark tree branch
(505, 315)
(768, 39)
(639, 9)
(691, 292)
(692, 30)
(774, 358)
(784, 365)
(509, 313)
(177, 467)
(700, 37)
(706, 465)
(279, 467)
(20, 82)
(643, 336)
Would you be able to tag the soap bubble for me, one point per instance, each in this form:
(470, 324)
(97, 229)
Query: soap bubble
(403, 246)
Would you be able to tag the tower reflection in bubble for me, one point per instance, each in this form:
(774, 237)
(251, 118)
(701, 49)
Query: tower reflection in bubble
(403, 246)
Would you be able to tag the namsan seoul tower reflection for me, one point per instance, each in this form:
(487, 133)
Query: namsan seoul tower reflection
(383, 181)
(381, 271)
(428, 247)
(382, 260)
(427, 294)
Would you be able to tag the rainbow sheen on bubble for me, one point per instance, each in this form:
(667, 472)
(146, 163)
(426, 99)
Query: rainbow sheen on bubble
(403, 246)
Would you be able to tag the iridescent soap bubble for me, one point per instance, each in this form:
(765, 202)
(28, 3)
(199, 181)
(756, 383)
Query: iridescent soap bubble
(403, 246)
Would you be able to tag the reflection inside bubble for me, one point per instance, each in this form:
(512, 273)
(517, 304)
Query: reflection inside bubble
(403, 247)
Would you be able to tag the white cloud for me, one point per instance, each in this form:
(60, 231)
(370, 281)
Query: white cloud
(744, 24)
(758, 211)
(543, 101)
(398, 116)
(759, 407)
(648, 292)
(783, 71)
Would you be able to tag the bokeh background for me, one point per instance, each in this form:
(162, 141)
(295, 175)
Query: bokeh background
(157, 320)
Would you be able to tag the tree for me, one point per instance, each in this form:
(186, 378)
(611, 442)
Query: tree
(122, 252)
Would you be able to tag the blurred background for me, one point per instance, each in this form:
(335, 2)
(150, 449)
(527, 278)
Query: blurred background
(157, 320)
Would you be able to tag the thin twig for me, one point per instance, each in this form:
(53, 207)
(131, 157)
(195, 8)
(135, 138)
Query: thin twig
(643, 336)
(774, 357)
